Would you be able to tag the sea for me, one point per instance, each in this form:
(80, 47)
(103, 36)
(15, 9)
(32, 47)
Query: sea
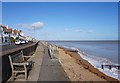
(96, 53)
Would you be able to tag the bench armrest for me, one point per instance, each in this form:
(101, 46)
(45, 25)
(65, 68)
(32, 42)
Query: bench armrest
(20, 64)
(28, 56)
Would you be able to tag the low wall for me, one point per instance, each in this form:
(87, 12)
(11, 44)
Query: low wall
(6, 69)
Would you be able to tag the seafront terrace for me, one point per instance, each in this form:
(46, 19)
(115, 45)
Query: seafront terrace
(66, 66)
(45, 68)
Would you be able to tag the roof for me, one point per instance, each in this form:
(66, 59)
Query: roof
(4, 28)
(9, 30)
(15, 32)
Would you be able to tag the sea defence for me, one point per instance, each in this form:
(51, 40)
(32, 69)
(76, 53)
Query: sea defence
(6, 69)
(45, 68)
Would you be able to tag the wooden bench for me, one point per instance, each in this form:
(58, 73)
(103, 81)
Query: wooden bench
(50, 51)
(53, 51)
(19, 64)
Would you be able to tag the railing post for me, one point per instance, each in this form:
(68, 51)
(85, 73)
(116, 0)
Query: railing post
(118, 67)
(110, 66)
(102, 66)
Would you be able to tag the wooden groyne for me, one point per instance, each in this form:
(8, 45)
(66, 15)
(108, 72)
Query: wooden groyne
(110, 66)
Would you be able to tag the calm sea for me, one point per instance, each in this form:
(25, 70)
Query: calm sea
(105, 49)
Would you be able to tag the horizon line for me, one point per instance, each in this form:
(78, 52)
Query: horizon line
(79, 40)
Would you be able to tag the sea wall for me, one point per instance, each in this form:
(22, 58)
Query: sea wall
(6, 69)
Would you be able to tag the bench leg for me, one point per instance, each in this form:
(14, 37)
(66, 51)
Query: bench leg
(26, 75)
(12, 78)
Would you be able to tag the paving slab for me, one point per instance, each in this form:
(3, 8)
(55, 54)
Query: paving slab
(51, 70)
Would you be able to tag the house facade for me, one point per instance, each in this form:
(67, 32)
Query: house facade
(5, 34)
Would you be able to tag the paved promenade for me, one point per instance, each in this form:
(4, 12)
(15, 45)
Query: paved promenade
(51, 70)
(45, 69)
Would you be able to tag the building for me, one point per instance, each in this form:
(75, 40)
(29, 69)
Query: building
(15, 34)
(21, 35)
(5, 34)
(29, 38)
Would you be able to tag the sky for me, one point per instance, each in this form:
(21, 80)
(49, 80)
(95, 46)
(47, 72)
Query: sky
(60, 0)
(63, 20)
(0, 12)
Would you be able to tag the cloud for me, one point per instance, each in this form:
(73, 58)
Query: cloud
(23, 25)
(90, 31)
(66, 29)
(79, 30)
(37, 25)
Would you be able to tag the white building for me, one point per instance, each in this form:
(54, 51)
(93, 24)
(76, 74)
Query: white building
(5, 34)
(21, 35)
(14, 34)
